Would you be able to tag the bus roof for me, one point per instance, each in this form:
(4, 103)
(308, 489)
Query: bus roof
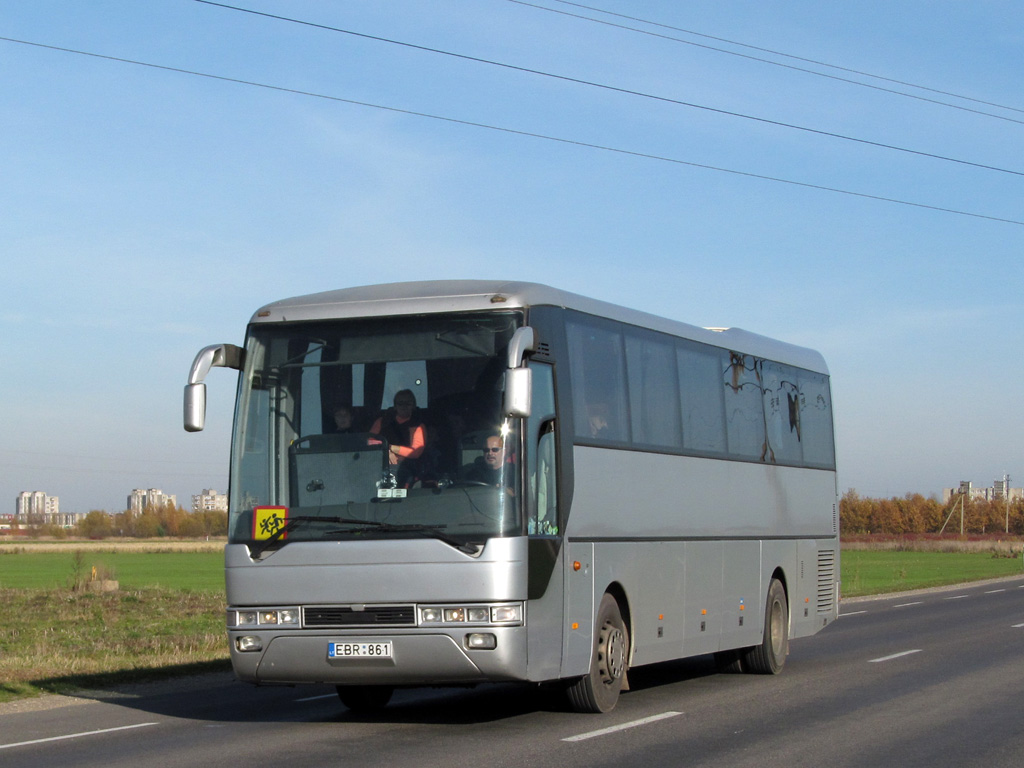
(427, 297)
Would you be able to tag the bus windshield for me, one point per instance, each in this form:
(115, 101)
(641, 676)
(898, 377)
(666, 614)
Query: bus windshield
(375, 428)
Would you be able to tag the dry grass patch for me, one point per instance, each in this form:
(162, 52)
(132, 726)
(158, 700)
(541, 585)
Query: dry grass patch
(996, 545)
(59, 640)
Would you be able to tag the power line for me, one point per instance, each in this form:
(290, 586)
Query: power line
(785, 55)
(126, 472)
(512, 131)
(120, 459)
(615, 89)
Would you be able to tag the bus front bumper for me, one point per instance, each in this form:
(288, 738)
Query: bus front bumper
(417, 658)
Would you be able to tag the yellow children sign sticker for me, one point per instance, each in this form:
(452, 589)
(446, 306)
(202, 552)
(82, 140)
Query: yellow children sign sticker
(266, 521)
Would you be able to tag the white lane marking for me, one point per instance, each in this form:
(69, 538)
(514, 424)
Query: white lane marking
(956, 597)
(1018, 626)
(851, 613)
(315, 698)
(894, 656)
(906, 605)
(622, 727)
(994, 591)
(76, 735)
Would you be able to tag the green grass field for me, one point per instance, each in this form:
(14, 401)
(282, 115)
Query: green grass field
(871, 572)
(194, 571)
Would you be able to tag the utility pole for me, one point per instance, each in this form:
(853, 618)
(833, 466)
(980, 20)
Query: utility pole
(1006, 496)
(959, 503)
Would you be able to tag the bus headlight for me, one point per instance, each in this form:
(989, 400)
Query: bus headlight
(243, 618)
(481, 641)
(477, 615)
(507, 614)
(454, 614)
(430, 615)
(480, 615)
(246, 617)
(248, 643)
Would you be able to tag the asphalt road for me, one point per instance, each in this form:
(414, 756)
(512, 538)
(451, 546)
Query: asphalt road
(932, 679)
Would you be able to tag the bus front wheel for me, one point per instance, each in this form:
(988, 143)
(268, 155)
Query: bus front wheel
(598, 691)
(769, 657)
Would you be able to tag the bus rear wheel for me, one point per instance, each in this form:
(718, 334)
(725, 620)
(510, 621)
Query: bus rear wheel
(365, 698)
(598, 691)
(769, 657)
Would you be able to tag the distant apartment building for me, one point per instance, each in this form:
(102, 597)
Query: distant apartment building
(150, 497)
(35, 506)
(210, 501)
(1000, 489)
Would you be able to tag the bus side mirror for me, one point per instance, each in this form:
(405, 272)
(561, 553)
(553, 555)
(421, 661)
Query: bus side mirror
(518, 379)
(518, 386)
(217, 355)
(195, 407)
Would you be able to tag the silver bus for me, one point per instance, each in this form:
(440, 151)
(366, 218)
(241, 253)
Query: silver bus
(447, 483)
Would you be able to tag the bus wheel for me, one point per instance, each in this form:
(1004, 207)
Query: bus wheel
(365, 698)
(598, 691)
(769, 657)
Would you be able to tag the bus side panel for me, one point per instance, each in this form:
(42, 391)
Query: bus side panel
(701, 605)
(685, 497)
(695, 544)
(547, 627)
(816, 605)
(802, 590)
(743, 594)
(579, 609)
(658, 584)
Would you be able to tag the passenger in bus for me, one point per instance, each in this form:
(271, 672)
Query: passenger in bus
(489, 467)
(597, 417)
(403, 429)
(343, 420)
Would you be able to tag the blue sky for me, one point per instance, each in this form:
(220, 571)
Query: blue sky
(146, 213)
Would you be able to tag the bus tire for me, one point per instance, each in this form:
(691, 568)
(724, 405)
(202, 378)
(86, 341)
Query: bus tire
(599, 690)
(365, 698)
(769, 657)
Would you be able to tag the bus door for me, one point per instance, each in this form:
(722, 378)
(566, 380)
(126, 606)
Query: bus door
(545, 589)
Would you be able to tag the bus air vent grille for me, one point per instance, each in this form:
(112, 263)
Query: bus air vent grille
(826, 579)
(366, 616)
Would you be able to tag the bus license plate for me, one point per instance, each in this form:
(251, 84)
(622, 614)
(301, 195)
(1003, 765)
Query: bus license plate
(359, 650)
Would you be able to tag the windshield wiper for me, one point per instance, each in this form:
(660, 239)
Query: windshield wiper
(295, 522)
(432, 531)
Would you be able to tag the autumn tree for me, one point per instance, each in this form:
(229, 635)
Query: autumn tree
(147, 525)
(854, 513)
(96, 525)
(172, 518)
(914, 513)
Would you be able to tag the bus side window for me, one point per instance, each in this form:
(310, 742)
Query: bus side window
(542, 464)
(545, 485)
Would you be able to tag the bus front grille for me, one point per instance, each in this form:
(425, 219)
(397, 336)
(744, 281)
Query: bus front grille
(361, 616)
